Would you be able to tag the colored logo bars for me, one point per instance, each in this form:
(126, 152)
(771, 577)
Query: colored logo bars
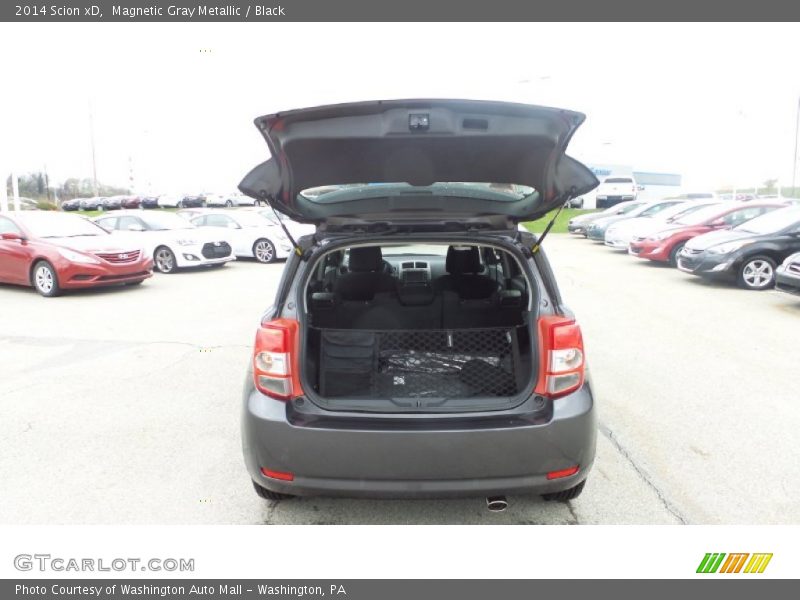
(718, 563)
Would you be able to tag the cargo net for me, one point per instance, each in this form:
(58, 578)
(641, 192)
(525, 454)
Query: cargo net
(418, 364)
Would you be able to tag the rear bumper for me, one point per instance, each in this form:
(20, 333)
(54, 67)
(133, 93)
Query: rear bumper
(464, 456)
(786, 281)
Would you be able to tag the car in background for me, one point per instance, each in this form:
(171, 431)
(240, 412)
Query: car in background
(787, 275)
(243, 200)
(596, 230)
(665, 245)
(93, 203)
(749, 253)
(576, 202)
(252, 236)
(70, 205)
(131, 202)
(170, 201)
(620, 234)
(52, 252)
(149, 202)
(172, 241)
(296, 230)
(615, 189)
(111, 203)
(192, 201)
(217, 200)
(578, 224)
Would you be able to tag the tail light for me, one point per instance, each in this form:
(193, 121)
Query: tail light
(561, 356)
(275, 359)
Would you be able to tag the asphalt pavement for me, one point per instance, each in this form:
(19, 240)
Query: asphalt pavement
(122, 405)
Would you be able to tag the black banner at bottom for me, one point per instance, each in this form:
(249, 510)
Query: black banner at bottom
(389, 589)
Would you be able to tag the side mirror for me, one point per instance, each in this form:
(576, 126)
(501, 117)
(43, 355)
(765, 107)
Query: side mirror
(233, 226)
(716, 224)
(11, 236)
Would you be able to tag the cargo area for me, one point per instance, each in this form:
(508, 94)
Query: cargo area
(448, 328)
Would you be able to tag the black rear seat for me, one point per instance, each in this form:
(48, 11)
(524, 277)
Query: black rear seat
(367, 298)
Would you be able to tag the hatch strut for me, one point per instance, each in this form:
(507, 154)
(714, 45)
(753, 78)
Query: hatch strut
(549, 226)
(297, 249)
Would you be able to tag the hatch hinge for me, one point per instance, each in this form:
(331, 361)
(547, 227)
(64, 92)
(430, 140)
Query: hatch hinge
(297, 249)
(567, 197)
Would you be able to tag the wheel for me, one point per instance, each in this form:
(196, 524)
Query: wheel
(673, 255)
(264, 251)
(228, 203)
(45, 279)
(565, 495)
(179, 204)
(756, 273)
(257, 203)
(270, 495)
(164, 260)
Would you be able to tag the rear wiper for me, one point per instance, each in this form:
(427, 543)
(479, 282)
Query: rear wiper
(549, 226)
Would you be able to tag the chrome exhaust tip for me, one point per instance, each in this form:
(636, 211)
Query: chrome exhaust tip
(496, 503)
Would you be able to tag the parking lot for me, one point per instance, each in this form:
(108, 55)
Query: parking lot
(122, 405)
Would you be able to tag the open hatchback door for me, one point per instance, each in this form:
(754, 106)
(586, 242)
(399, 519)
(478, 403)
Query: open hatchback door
(419, 161)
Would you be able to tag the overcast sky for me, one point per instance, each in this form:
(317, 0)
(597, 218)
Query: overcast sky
(715, 103)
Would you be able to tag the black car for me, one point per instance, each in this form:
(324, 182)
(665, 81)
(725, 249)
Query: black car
(787, 276)
(94, 203)
(149, 202)
(70, 205)
(198, 201)
(418, 345)
(112, 203)
(748, 253)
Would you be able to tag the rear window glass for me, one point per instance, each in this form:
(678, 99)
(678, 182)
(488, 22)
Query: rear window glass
(330, 194)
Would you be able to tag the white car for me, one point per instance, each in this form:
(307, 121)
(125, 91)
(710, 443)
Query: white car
(621, 234)
(251, 235)
(615, 189)
(172, 241)
(296, 230)
(169, 200)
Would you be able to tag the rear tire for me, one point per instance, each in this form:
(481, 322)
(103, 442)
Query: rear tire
(228, 203)
(565, 495)
(673, 255)
(45, 279)
(264, 251)
(270, 495)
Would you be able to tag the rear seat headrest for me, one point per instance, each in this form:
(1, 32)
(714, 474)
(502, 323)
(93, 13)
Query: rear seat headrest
(463, 259)
(365, 259)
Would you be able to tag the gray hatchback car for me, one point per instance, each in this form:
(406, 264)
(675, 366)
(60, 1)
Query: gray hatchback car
(418, 345)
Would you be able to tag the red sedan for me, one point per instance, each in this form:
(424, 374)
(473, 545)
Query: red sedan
(664, 245)
(54, 251)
